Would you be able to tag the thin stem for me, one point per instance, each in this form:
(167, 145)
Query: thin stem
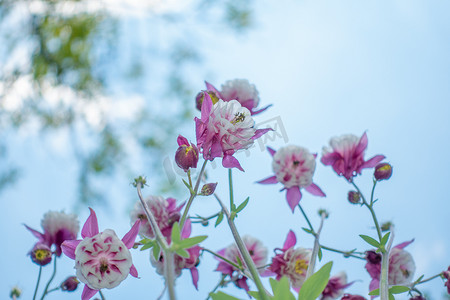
(315, 252)
(306, 218)
(345, 253)
(189, 177)
(203, 219)
(373, 192)
(370, 207)
(384, 277)
(230, 181)
(192, 196)
(169, 273)
(37, 283)
(227, 261)
(51, 278)
(53, 290)
(101, 295)
(216, 287)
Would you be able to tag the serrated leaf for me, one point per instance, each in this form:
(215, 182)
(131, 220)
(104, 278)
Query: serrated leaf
(182, 253)
(314, 285)
(156, 250)
(319, 254)
(281, 289)
(222, 296)
(375, 292)
(307, 230)
(370, 241)
(219, 219)
(385, 238)
(242, 205)
(176, 233)
(398, 289)
(190, 242)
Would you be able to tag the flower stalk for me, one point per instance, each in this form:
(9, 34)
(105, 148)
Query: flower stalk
(384, 276)
(37, 283)
(50, 280)
(316, 248)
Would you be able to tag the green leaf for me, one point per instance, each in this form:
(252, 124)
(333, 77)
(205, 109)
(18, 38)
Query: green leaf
(314, 285)
(391, 297)
(219, 219)
(242, 205)
(145, 241)
(370, 241)
(222, 296)
(319, 254)
(182, 253)
(398, 289)
(148, 245)
(156, 250)
(385, 238)
(239, 261)
(307, 230)
(281, 289)
(188, 186)
(190, 242)
(375, 292)
(254, 294)
(176, 233)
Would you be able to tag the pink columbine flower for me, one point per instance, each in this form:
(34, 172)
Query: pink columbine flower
(165, 211)
(102, 260)
(294, 167)
(291, 262)
(346, 155)
(335, 287)
(58, 227)
(180, 262)
(257, 251)
(223, 129)
(401, 266)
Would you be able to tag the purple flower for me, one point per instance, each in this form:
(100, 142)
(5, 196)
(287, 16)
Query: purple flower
(446, 275)
(294, 167)
(223, 129)
(352, 297)
(291, 262)
(70, 284)
(186, 156)
(346, 155)
(58, 227)
(166, 213)
(102, 260)
(41, 254)
(335, 287)
(383, 171)
(257, 251)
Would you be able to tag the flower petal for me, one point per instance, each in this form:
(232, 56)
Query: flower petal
(182, 141)
(404, 244)
(88, 293)
(36, 233)
(291, 240)
(230, 161)
(362, 144)
(133, 271)
(371, 163)
(260, 132)
(271, 151)
(269, 180)
(194, 274)
(206, 107)
(329, 159)
(212, 88)
(293, 196)
(315, 190)
(186, 230)
(68, 248)
(261, 110)
(129, 238)
(90, 228)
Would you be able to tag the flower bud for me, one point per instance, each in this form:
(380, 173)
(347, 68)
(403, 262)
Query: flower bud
(386, 226)
(354, 197)
(201, 96)
(15, 293)
(70, 284)
(352, 297)
(41, 254)
(418, 297)
(383, 171)
(373, 257)
(323, 212)
(187, 154)
(208, 189)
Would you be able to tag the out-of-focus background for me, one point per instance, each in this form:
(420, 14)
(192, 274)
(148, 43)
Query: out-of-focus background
(94, 93)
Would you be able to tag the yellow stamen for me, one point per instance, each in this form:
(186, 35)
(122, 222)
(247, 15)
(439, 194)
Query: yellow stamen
(300, 266)
(238, 117)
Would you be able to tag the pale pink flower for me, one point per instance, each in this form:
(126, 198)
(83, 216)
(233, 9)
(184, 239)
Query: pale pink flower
(223, 129)
(291, 262)
(294, 167)
(257, 251)
(346, 155)
(335, 287)
(180, 262)
(401, 266)
(102, 260)
(58, 227)
(165, 211)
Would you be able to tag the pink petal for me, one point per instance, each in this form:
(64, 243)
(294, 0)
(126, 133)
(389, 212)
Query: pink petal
(374, 284)
(186, 231)
(291, 240)
(261, 110)
(230, 161)
(330, 158)
(315, 190)
(182, 141)
(210, 87)
(268, 273)
(206, 107)
(194, 274)
(129, 238)
(371, 163)
(271, 151)
(269, 180)
(260, 132)
(36, 233)
(68, 248)
(362, 145)
(293, 196)
(90, 228)
(133, 271)
(404, 244)
(88, 293)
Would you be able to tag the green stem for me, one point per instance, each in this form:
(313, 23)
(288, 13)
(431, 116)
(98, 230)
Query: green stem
(51, 278)
(373, 192)
(53, 290)
(384, 277)
(202, 219)
(101, 295)
(226, 260)
(37, 283)
(345, 253)
(306, 218)
(230, 181)
(192, 196)
(189, 177)
(316, 248)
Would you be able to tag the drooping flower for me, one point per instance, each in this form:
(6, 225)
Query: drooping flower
(164, 210)
(180, 262)
(352, 297)
(335, 287)
(186, 155)
(70, 284)
(291, 262)
(447, 276)
(102, 260)
(58, 227)
(257, 251)
(225, 128)
(383, 171)
(346, 155)
(401, 266)
(41, 254)
(294, 167)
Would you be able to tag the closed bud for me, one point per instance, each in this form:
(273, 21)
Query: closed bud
(186, 156)
(15, 293)
(208, 189)
(418, 297)
(70, 284)
(201, 96)
(323, 212)
(41, 254)
(373, 257)
(386, 226)
(383, 171)
(354, 197)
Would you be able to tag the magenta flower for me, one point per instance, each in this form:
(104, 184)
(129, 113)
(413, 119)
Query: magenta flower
(180, 262)
(335, 287)
(41, 254)
(290, 262)
(346, 155)
(352, 297)
(58, 227)
(165, 211)
(446, 275)
(257, 252)
(294, 167)
(102, 260)
(223, 129)
(186, 156)
(401, 266)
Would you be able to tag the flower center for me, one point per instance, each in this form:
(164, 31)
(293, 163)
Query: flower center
(41, 254)
(238, 117)
(296, 163)
(104, 266)
(300, 266)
